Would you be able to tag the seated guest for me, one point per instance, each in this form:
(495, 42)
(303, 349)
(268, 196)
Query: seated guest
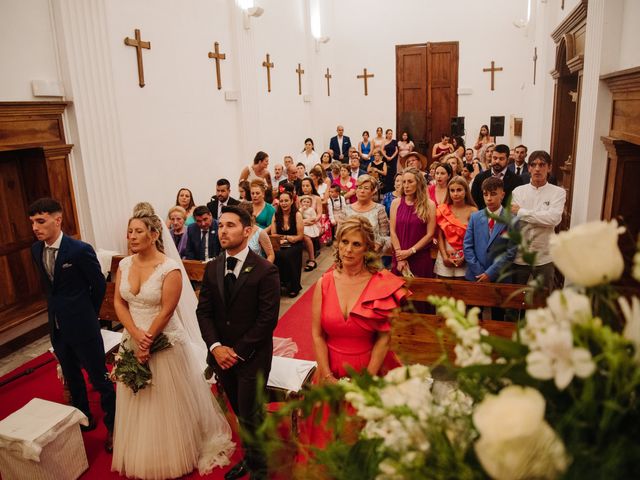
(259, 240)
(336, 206)
(354, 164)
(413, 224)
(308, 157)
(311, 229)
(287, 223)
(334, 171)
(321, 182)
(221, 198)
(455, 163)
(340, 145)
(378, 167)
(468, 174)
(364, 206)
(178, 231)
(468, 156)
(483, 242)
(301, 171)
(262, 211)
(458, 147)
(389, 197)
(244, 191)
(308, 188)
(346, 183)
(325, 162)
(184, 199)
(202, 236)
(442, 174)
(292, 178)
(452, 217)
(278, 174)
(538, 206)
(287, 160)
(499, 159)
(351, 307)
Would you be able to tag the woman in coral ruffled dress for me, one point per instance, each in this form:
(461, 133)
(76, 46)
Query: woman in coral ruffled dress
(351, 307)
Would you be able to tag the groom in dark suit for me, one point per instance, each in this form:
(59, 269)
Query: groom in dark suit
(237, 312)
(75, 288)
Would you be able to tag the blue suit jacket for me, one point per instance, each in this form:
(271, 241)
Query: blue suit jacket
(76, 293)
(484, 252)
(335, 147)
(195, 249)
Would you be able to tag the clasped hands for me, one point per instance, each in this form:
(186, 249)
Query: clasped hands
(225, 356)
(144, 340)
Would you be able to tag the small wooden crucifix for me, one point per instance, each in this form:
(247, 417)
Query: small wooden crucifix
(299, 71)
(365, 76)
(493, 70)
(328, 76)
(217, 56)
(535, 61)
(139, 44)
(268, 64)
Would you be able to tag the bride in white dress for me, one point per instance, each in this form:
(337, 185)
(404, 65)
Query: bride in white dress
(174, 425)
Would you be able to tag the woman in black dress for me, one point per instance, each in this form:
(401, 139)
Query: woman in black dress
(287, 223)
(390, 154)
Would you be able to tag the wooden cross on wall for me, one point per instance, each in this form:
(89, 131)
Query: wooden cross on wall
(493, 70)
(328, 76)
(299, 71)
(268, 64)
(217, 56)
(535, 61)
(365, 76)
(139, 44)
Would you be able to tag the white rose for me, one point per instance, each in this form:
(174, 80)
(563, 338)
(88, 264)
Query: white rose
(588, 254)
(515, 441)
(567, 305)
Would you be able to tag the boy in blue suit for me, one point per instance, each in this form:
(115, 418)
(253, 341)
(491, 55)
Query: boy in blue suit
(484, 246)
(75, 288)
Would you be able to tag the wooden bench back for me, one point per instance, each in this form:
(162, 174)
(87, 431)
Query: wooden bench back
(414, 336)
(503, 295)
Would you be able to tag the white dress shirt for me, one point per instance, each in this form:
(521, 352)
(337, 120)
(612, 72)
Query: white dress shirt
(540, 212)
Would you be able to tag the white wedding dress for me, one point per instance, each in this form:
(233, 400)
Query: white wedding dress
(173, 425)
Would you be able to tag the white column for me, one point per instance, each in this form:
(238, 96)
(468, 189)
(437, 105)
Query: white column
(92, 120)
(246, 83)
(601, 56)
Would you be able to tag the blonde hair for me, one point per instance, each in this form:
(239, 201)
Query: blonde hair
(459, 165)
(178, 209)
(459, 180)
(305, 197)
(359, 224)
(421, 202)
(366, 178)
(258, 182)
(144, 212)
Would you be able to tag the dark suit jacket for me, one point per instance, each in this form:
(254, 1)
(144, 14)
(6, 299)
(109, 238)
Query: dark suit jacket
(510, 179)
(195, 249)
(247, 322)
(335, 147)
(297, 183)
(76, 293)
(213, 205)
(484, 252)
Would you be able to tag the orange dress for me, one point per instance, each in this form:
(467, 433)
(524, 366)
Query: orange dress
(350, 340)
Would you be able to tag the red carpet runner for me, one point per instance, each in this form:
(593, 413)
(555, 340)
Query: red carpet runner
(43, 383)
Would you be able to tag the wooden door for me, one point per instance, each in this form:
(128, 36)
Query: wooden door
(426, 91)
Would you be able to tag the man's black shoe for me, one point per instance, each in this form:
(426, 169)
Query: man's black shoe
(92, 425)
(237, 471)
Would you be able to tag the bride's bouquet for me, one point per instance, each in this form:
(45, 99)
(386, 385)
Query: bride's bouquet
(129, 371)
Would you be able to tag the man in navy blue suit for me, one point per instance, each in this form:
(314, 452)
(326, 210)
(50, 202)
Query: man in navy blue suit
(74, 287)
(340, 145)
(202, 236)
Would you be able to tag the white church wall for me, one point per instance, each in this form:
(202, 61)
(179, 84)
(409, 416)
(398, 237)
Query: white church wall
(364, 34)
(630, 36)
(27, 48)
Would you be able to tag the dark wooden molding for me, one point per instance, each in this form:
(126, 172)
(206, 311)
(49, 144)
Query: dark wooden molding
(571, 21)
(11, 109)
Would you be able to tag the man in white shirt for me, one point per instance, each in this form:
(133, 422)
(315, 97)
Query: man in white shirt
(538, 206)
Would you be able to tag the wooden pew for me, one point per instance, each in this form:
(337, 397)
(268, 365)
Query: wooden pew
(414, 336)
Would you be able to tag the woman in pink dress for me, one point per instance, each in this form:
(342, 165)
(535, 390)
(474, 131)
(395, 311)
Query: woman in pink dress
(442, 174)
(351, 307)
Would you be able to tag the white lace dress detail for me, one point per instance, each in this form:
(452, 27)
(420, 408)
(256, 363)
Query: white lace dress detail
(174, 425)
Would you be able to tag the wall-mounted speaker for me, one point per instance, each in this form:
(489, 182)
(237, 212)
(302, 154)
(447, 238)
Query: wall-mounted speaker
(457, 126)
(496, 127)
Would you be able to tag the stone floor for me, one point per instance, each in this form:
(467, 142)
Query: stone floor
(38, 347)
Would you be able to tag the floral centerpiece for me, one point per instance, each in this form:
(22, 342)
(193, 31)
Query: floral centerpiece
(559, 400)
